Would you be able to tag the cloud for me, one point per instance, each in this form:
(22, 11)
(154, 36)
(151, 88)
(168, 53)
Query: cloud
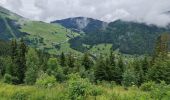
(147, 11)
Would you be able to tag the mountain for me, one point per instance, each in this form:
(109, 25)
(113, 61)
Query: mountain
(82, 24)
(98, 36)
(127, 37)
(44, 36)
(9, 24)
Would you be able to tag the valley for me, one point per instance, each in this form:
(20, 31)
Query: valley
(81, 58)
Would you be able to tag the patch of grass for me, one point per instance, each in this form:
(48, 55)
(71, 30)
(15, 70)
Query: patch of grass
(49, 37)
(101, 48)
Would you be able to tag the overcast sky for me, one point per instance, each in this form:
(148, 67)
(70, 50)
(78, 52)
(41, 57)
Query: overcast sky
(148, 11)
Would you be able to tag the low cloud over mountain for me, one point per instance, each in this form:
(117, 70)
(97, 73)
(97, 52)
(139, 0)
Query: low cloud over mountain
(147, 11)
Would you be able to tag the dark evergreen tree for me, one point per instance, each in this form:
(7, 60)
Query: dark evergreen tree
(62, 60)
(161, 47)
(13, 50)
(120, 64)
(138, 71)
(119, 70)
(145, 65)
(71, 60)
(160, 71)
(100, 72)
(87, 62)
(112, 58)
(22, 61)
(32, 63)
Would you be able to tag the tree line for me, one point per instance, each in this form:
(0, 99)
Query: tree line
(24, 65)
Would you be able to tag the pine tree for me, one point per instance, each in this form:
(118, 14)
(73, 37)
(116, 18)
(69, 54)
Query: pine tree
(22, 61)
(145, 65)
(52, 66)
(112, 58)
(62, 60)
(100, 72)
(138, 71)
(129, 78)
(87, 63)
(161, 47)
(119, 70)
(120, 64)
(160, 71)
(55, 69)
(32, 63)
(71, 61)
(13, 50)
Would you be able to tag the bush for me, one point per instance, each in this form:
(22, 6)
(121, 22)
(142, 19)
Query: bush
(46, 81)
(148, 86)
(160, 91)
(95, 91)
(80, 88)
(20, 96)
(8, 78)
(129, 79)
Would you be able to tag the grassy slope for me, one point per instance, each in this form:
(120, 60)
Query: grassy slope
(12, 92)
(52, 35)
(102, 48)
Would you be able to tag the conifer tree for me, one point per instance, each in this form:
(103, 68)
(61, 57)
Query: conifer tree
(13, 50)
(100, 73)
(71, 60)
(62, 60)
(21, 64)
(87, 63)
(112, 58)
(145, 65)
(138, 71)
(32, 63)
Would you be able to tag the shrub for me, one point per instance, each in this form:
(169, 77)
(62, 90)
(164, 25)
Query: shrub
(148, 86)
(80, 88)
(95, 91)
(115, 96)
(129, 79)
(8, 78)
(46, 81)
(20, 95)
(60, 76)
(160, 91)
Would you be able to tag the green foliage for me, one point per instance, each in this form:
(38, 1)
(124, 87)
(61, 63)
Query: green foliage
(52, 66)
(129, 78)
(100, 70)
(8, 78)
(32, 63)
(21, 61)
(55, 69)
(160, 71)
(62, 60)
(80, 88)
(138, 69)
(71, 60)
(87, 62)
(20, 96)
(160, 91)
(45, 81)
(148, 86)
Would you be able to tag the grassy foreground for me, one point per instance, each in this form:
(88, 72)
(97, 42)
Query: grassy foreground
(59, 92)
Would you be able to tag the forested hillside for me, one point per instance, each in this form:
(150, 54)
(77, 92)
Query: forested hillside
(69, 76)
(82, 59)
(128, 37)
